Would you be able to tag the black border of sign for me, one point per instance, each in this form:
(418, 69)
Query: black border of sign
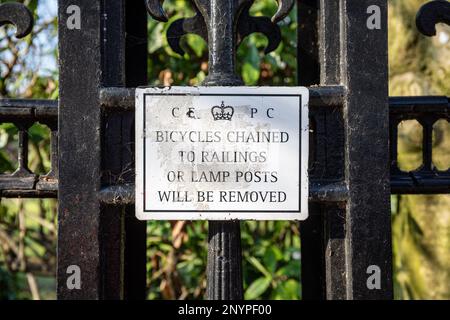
(229, 94)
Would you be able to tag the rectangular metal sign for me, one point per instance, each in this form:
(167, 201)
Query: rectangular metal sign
(222, 153)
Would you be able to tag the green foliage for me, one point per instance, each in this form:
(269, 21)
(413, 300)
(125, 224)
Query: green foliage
(7, 288)
(176, 255)
(8, 154)
(271, 260)
(168, 68)
(420, 224)
(177, 260)
(28, 227)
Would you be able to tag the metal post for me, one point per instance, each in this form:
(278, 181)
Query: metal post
(112, 218)
(311, 230)
(136, 50)
(333, 214)
(79, 150)
(104, 241)
(322, 233)
(123, 236)
(224, 269)
(364, 70)
(341, 240)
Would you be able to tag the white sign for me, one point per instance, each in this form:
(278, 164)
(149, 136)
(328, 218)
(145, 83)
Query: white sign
(222, 153)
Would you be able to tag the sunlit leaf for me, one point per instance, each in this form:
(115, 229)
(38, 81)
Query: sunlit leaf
(287, 290)
(257, 288)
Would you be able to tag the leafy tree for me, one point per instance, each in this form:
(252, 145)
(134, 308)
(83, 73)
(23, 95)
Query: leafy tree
(28, 227)
(420, 224)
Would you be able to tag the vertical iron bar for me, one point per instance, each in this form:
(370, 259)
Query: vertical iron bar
(312, 253)
(124, 60)
(427, 143)
(222, 16)
(348, 239)
(322, 234)
(224, 271)
(224, 267)
(393, 143)
(135, 75)
(93, 237)
(364, 71)
(79, 150)
(112, 153)
(311, 230)
(23, 149)
(329, 42)
(307, 45)
(333, 214)
(53, 150)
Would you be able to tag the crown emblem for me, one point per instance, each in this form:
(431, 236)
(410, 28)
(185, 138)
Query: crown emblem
(222, 113)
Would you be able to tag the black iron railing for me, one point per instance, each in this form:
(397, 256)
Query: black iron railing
(99, 206)
(23, 113)
(426, 111)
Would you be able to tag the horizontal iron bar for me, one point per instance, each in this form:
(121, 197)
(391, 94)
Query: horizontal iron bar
(118, 195)
(28, 186)
(413, 184)
(114, 98)
(28, 193)
(422, 107)
(334, 191)
(122, 99)
(327, 96)
(331, 192)
(411, 106)
(28, 109)
(328, 191)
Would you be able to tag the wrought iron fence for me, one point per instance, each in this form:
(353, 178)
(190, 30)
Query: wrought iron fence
(96, 226)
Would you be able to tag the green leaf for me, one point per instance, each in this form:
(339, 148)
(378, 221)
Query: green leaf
(271, 257)
(38, 132)
(197, 44)
(291, 270)
(5, 163)
(250, 74)
(255, 262)
(288, 290)
(251, 62)
(257, 288)
(156, 41)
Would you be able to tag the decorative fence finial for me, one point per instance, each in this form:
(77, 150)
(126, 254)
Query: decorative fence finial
(223, 24)
(432, 13)
(18, 15)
